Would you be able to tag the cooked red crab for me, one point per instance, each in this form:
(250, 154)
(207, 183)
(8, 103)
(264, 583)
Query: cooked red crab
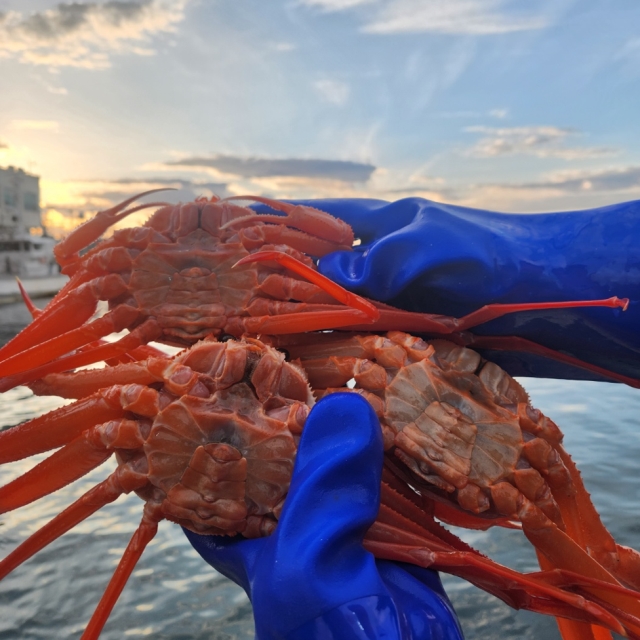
(211, 267)
(207, 439)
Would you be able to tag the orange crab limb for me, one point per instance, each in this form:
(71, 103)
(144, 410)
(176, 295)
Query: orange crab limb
(54, 320)
(513, 343)
(58, 427)
(414, 522)
(66, 251)
(146, 332)
(395, 319)
(397, 538)
(33, 310)
(562, 551)
(112, 322)
(107, 491)
(493, 311)
(140, 539)
(302, 322)
(71, 462)
(339, 293)
(573, 629)
(313, 221)
(81, 384)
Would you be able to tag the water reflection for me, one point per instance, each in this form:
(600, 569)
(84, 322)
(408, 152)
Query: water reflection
(174, 595)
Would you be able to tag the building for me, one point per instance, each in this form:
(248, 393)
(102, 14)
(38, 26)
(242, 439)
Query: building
(19, 203)
(25, 248)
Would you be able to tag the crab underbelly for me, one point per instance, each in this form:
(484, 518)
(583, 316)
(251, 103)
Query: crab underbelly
(190, 304)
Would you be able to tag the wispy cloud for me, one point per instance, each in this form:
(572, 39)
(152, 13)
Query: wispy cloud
(616, 179)
(475, 17)
(34, 125)
(282, 47)
(540, 141)
(333, 91)
(498, 113)
(86, 35)
(334, 5)
(3, 145)
(242, 167)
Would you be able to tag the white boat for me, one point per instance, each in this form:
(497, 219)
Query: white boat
(28, 256)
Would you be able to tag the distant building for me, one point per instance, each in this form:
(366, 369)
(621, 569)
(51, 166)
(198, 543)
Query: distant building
(19, 202)
(25, 248)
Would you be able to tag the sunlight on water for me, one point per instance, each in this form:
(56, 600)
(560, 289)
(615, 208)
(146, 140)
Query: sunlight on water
(174, 595)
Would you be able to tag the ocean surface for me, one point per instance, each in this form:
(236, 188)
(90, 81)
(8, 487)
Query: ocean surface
(174, 595)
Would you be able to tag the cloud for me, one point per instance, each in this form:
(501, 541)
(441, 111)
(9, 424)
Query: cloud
(500, 114)
(475, 17)
(86, 35)
(339, 170)
(604, 180)
(333, 91)
(34, 125)
(540, 141)
(282, 47)
(334, 5)
(3, 145)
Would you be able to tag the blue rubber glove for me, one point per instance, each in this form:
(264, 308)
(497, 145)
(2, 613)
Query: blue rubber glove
(424, 256)
(312, 579)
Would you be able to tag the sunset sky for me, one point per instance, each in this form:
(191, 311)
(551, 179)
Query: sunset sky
(512, 106)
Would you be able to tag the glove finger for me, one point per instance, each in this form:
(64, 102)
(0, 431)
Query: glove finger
(335, 490)
(230, 556)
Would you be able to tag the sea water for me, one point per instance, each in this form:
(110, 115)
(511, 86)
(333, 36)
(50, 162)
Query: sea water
(174, 595)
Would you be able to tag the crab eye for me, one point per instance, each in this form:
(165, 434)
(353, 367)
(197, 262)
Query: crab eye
(287, 355)
(225, 337)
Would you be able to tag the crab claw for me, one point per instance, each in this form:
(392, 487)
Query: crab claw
(33, 310)
(339, 293)
(66, 252)
(303, 217)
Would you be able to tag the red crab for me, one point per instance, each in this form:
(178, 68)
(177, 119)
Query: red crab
(209, 268)
(207, 439)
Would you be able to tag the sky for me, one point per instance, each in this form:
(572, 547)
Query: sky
(498, 104)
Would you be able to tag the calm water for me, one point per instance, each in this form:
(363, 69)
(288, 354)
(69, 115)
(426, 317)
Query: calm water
(174, 595)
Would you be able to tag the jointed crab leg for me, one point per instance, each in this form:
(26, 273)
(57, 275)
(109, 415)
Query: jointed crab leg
(339, 293)
(66, 252)
(142, 536)
(63, 425)
(114, 486)
(315, 222)
(146, 332)
(404, 532)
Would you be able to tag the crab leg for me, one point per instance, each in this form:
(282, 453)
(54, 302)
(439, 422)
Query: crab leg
(147, 331)
(405, 513)
(416, 540)
(143, 535)
(114, 486)
(339, 293)
(81, 384)
(396, 319)
(54, 320)
(66, 252)
(514, 343)
(112, 322)
(71, 462)
(561, 550)
(313, 221)
(63, 425)
(33, 310)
